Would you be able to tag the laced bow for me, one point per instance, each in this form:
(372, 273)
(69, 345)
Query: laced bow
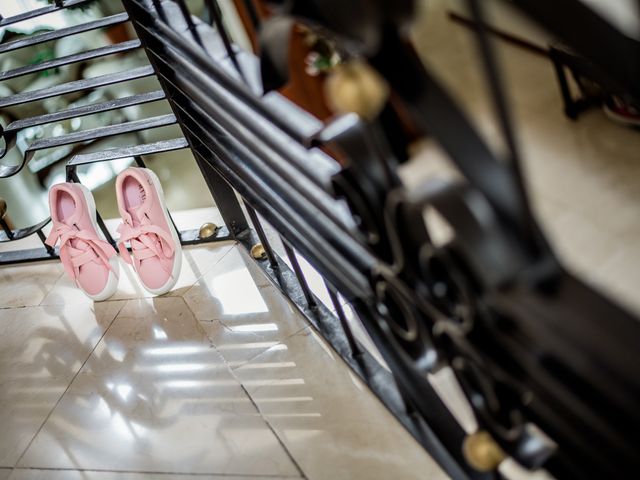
(147, 241)
(73, 257)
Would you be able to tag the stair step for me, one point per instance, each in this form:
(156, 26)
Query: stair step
(125, 152)
(68, 59)
(76, 86)
(63, 32)
(21, 17)
(84, 110)
(99, 132)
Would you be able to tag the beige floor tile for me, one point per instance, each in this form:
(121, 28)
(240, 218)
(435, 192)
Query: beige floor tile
(156, 397)
(331, 424)
(241, 336)
(33, 474)
(26, 285)
(583, 246)
(41, 349)
(65, 292)
(197, 261)
(5, 473)
(228, 291)
(241, 318)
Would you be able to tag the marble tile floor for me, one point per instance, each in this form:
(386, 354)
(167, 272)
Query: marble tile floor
(221, 378)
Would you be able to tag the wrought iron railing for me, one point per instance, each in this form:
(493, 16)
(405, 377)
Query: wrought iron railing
(10, 132)
(549, 366)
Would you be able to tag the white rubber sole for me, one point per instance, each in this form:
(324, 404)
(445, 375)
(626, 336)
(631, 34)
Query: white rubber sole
(177, 260)
(112, 282)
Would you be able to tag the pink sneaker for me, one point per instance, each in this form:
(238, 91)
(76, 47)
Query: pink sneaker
(87, 257)
(155, 246)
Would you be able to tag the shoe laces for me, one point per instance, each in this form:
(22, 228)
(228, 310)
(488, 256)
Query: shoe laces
(86, 248)
(147, 241)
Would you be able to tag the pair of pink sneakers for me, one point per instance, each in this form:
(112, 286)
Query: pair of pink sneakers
(91, 261)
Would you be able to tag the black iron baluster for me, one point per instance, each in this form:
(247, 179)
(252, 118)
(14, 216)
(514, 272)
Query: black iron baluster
(77, 86)
(190, 25)
(311, 301)
(215, 12)
(6, 228)
(43, 239)
(157, 4)
(497, 89)
(353, 343)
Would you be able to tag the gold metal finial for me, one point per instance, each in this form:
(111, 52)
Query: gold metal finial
(258, 252)
(355, 87)
(208, 230)
(482, 452)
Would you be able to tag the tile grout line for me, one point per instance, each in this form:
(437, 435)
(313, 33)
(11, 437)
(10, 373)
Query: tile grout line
(190, 287)
(224, 326)
(47, 292)
(239, 367)
(231, 371)
(70, 383)
(307, 326)
(266, 421)
(152, 472)
(280, 342)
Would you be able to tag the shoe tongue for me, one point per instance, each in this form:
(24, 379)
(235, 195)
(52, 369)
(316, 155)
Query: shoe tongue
(74, 219)
(137, 215)
(75, 215)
